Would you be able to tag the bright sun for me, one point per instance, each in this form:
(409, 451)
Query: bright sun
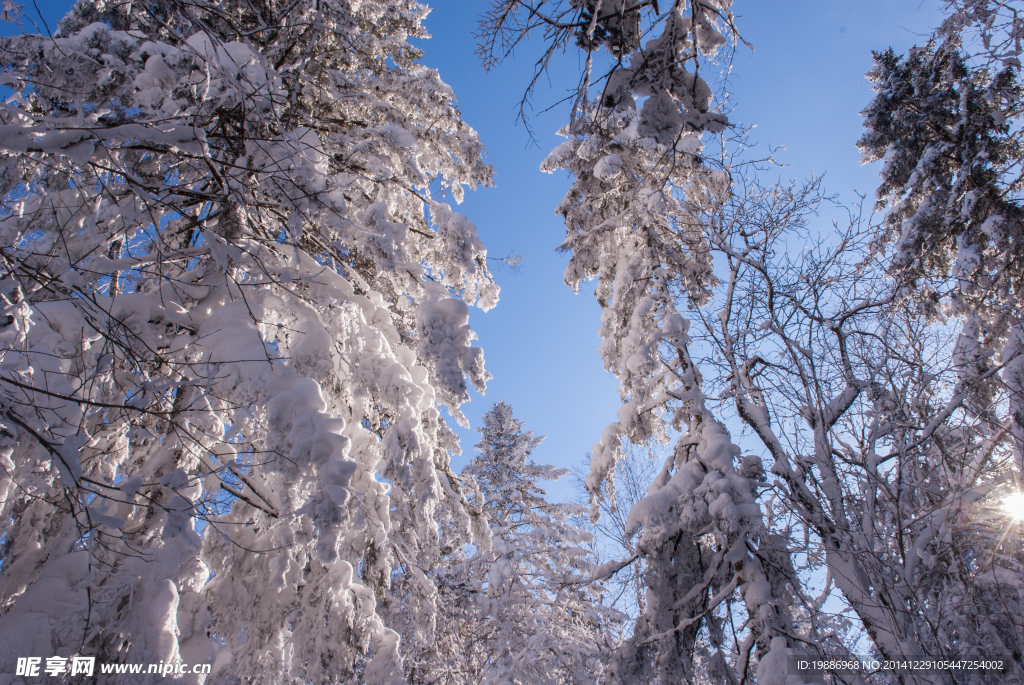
(1014, 506)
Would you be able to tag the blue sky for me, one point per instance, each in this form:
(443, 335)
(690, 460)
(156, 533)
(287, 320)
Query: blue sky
(803, 86)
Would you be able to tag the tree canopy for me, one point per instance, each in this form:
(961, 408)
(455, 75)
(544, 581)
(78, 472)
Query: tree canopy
(237, 303)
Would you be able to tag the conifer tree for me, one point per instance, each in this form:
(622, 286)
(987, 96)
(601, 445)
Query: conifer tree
(636, 220)
(888, 443)
(521, 609)
(234, 295)
(946, 122)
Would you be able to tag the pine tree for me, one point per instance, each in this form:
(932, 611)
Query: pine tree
(544, 624)
(234, 295)
(946, 123)
(637, 220)
(521, 609)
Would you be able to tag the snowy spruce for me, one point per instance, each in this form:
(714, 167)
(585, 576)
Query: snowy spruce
(519, 607)
(234, 312)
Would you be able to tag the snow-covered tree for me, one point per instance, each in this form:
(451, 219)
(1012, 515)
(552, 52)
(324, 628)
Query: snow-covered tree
(640, 181)
(946, 124)
(521, 609)
(235, 301)
(883, 474)
(946, 121)
(887, 433)
(635, 220)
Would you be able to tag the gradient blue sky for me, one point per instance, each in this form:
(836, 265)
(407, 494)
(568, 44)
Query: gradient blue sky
(803, 86)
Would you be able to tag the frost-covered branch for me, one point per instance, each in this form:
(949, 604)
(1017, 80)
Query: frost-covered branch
(236, 298)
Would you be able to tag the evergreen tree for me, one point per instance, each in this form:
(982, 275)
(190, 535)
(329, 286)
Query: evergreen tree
(521, 609)
(234, 294)
(888, 443)
(637, 220)
(946, 123)
(544, 623)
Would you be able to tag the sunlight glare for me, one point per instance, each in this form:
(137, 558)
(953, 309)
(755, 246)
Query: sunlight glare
(1014, 506)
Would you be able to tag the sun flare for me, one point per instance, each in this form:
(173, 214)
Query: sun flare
(1013, 504)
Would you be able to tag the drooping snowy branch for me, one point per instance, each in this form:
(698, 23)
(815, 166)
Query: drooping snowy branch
(720, 586)
(234, 294)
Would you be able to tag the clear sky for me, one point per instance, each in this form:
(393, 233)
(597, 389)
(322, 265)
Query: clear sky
(803, 86)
